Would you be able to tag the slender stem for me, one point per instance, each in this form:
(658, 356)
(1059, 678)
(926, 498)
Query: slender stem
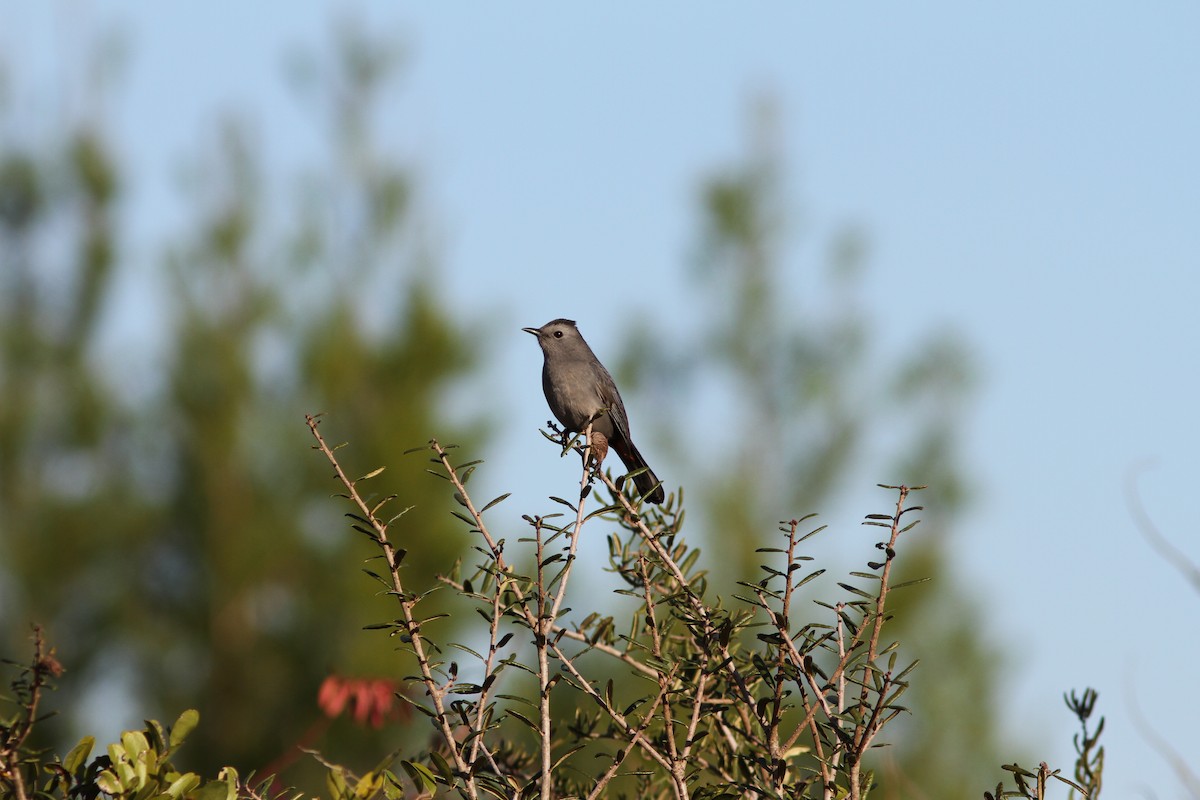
(607, 649)
(578, 529)
(634, 732)
(881, 599)
(411, 626)
(489, 666)
(547, 617)
(14, 736)
(709, 632)
(542, 645)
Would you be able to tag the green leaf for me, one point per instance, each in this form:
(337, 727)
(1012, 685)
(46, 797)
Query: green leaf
(126, 774)
(393, 789)
(517, 698)
(368, 785)
(156, 735)
(560, 501)
(108, 782)
(465, 649)
(420, 774)
(414, 704)
(497, 501)
(443, 767)
(567, 754)
(810, 576)
(183, 726)
(913, 582)
(600, 511)
(183, 785)
(869, 576)
(523, 718)
(213, 790)
(135, 743)
(335, 781)
(77, 758)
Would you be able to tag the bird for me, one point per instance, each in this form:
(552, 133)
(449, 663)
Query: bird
(579, 389)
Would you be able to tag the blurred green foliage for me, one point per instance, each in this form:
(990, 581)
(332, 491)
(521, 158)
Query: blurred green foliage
(177, 544)
(172, 537)
(815, 391)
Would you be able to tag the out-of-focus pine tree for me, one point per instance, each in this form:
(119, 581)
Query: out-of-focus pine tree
(179, 542)
(809, 390)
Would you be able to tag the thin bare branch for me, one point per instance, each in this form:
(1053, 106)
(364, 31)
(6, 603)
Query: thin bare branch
(1149, 531)
(411, 627)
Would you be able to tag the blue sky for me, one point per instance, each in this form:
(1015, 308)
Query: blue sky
(1027, 174)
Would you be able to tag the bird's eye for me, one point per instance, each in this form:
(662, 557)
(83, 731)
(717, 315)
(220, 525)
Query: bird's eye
(558, 334)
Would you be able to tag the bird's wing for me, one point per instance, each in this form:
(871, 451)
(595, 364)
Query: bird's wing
(616, 407)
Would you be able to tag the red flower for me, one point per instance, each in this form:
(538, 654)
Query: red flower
(373, 700)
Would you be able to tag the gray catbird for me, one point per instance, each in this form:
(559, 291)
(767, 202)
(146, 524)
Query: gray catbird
(578, 387)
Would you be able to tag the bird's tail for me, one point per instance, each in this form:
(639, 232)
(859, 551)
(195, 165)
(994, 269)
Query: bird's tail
(647, 482)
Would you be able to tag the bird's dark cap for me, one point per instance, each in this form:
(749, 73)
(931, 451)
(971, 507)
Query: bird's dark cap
(559, 321)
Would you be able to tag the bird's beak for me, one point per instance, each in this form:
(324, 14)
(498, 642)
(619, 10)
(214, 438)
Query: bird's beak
(534, 331)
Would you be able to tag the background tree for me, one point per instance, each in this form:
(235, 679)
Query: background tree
(178, 543)
(71, 498)
(806, 399)
(178, 540)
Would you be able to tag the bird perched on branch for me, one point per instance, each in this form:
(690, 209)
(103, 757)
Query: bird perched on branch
(579, 389)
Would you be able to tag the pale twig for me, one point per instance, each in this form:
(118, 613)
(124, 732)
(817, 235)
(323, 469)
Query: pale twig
(656, 648)
(666, 681)
(623, 656)
(1164, 748)
(1166, 550)
(476, 514)
(697, 605)
(890, 552)
(541, 645)
(546, 617)
(504, 582)
(411, 625)
(542, 620)
(698, 701)
(634, 732)
(709, 631)
(575, 534)
(559, 632)
(489, 666)
(624, 752)
(679, 756)
(870, 718)
(29, 695)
